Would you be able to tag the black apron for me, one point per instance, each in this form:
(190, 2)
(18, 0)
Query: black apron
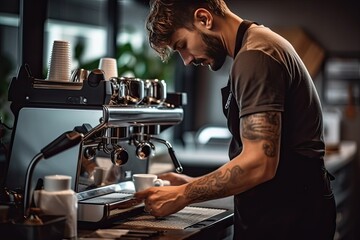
(230, 107)
(260, 211)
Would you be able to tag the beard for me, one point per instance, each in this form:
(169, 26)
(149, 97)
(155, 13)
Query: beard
(214, 50)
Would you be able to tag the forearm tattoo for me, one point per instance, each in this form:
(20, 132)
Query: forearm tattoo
(263, 126)
(213, 185)
(256, 127)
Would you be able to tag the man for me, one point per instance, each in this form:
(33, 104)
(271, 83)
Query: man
(276, 173)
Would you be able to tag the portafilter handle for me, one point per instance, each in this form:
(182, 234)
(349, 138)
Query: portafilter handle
(178, 167)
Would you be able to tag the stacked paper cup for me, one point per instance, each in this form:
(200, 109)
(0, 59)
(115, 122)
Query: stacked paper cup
(60, 62)
(109, 67)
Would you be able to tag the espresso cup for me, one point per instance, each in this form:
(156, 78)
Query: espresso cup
(144, 181)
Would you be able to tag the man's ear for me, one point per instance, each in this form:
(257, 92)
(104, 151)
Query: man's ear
(203, 18)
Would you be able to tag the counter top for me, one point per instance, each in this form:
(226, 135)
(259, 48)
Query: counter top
(346, 153)
(218, 226)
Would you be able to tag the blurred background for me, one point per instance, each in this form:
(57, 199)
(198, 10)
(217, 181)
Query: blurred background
(326, 35)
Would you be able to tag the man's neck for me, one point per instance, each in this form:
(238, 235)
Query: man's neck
(228, 27)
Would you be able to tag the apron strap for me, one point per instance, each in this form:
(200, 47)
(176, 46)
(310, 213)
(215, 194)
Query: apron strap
(240, 35)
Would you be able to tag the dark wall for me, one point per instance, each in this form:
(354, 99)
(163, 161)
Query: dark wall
(333, 24)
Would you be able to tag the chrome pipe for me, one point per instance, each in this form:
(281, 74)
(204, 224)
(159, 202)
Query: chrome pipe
(114, 116)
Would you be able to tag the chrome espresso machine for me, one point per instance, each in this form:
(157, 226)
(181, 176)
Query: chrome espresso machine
(119, 120)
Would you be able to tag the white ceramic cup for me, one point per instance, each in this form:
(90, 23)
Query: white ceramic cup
(53, 183)
(143, 181)
(100, 175)
(109, 67)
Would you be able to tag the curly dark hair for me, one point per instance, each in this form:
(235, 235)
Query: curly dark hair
(166, 16)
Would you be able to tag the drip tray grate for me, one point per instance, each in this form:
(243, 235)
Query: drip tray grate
(180, 220)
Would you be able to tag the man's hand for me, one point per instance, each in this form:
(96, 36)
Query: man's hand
(163, 201)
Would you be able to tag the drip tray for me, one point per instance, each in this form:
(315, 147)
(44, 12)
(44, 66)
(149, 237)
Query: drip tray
(104, 204)
(189, 217)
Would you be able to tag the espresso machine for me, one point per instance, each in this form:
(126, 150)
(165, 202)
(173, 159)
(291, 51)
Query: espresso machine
(120, 120)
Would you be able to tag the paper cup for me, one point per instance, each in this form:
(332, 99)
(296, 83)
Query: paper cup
(60, 62)
(109, 67)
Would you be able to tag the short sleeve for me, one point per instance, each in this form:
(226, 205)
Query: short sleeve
(258, 83)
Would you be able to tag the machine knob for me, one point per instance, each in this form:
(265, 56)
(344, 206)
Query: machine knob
(119, 156)
(95, 77)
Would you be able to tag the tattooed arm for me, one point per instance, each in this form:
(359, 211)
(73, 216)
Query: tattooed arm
(257, 163)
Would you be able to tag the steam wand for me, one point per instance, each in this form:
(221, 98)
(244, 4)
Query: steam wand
(60, 144)
(178, 167)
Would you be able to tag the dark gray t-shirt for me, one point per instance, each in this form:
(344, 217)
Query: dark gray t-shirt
(268, 75)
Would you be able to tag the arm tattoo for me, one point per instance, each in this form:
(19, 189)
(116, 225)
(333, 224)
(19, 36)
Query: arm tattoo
(263, 126)
(213, 185)
(260, 126)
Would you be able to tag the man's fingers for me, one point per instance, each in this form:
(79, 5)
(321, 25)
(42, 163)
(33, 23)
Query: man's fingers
(141, 194)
